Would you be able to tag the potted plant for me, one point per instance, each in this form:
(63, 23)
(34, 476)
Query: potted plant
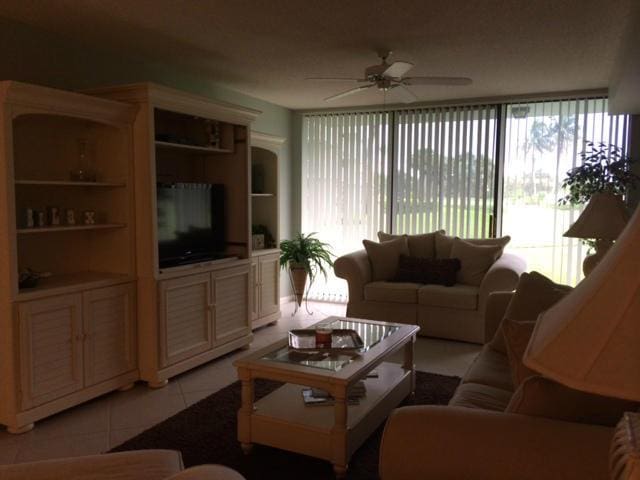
(604, 169)
(305, 255)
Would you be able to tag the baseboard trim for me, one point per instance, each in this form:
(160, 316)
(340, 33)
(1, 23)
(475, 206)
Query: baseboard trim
(287, 299)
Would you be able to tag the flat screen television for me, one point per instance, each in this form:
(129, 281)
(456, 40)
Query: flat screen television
(190, 223)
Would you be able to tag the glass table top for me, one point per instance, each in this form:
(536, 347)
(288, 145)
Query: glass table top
(371, 334)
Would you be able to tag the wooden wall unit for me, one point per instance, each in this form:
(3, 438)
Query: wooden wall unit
(72, 336)
(265, 266)
(189, 314)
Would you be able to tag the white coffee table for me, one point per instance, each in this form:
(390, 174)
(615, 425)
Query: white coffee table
(332, 433)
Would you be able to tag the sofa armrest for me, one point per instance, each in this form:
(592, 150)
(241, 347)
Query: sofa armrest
(442, 442)
(356, 270)
(207, 472)
(494, 311)
(502, 276)
(147, 464)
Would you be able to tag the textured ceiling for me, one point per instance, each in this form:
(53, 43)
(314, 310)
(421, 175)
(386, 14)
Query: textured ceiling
(266, 48)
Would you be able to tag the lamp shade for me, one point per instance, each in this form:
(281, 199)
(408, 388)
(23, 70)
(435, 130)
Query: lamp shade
(590, 340)
(604, 217)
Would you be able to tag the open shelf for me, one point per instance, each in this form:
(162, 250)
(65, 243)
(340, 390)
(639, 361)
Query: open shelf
(69, 282)
(193, 148)
(69, 183)
(65, 228)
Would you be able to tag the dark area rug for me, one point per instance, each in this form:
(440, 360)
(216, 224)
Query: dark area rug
(206, 433)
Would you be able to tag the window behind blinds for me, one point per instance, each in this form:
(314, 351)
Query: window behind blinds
(345, 184)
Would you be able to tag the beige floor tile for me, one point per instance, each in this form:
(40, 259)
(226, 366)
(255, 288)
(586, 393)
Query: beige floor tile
(9, 445)
(90, 417)
(194, 397)
(33, 449)
(116, 437)
(144, 407)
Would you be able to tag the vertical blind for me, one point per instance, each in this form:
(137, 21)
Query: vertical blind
(418, 170)
(444, 173)
(543, 141)
(345, 184)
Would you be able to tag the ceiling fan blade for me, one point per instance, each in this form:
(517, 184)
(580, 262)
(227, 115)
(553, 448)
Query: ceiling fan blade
(437, 81)
(334, 79)
(404, 94)
(348, 92)
(397, 69)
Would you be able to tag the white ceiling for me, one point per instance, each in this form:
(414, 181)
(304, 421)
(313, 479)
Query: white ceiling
(266, 48)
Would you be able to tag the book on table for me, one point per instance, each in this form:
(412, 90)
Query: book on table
(319, 397)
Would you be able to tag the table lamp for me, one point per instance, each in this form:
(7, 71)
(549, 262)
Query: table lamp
(603, 219)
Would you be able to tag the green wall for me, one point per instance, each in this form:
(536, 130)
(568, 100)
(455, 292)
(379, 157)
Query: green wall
(32, 55)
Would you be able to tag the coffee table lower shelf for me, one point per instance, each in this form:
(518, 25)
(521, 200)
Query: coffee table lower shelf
(282, 420)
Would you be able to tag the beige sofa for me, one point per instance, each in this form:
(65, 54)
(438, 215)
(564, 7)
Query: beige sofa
(455, 312)
(473, 438)
(134, 465)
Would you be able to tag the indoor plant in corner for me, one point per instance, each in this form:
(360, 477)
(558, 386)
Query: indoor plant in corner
(601, 181)
(305, 256)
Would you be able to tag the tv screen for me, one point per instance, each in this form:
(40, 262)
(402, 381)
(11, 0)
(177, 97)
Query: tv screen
(190, 223)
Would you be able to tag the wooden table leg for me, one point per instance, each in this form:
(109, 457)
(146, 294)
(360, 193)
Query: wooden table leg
(339, 433)
(246, 409)
(408, 362)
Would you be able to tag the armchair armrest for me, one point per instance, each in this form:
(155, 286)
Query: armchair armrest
(356, 270)
(207, 472)
(497, 303)
(502, 276)
(442, 442)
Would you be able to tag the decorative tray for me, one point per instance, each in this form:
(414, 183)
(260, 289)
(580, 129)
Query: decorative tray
(342, 340)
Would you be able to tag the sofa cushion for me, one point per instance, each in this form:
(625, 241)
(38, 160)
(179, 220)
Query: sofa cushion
(384, 257)
(542, 397)
(459, 297)
(427, 270)
(475, 260)
(490, 368)
(534, 294)
(420, 245)
(475, 395)
(391, 292)
(444, 243)
(516, 338)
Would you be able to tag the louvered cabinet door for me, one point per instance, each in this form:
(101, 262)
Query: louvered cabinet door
(185, 317)
(110, 332)
(51, 334)
(269, 284)
(231, 289)
(255, 283)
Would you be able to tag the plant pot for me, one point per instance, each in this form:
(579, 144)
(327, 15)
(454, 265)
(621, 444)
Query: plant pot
(298, 280)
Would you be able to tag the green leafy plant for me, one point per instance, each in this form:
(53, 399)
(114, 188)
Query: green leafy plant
(307, 251)
(605, 168)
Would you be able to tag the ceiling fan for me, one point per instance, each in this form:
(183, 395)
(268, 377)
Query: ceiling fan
(385, 77)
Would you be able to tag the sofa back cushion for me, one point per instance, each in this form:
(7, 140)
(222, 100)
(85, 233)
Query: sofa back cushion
(427, 270)
(444, 243)
(475, 260)
(516, 338)
(541, 397)
(534, 294)
(421, 245)
(384, 257)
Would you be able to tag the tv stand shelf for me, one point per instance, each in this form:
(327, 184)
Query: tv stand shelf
(68, 283)
(69, 228)
(189, 314)
(70, 183)
(192, 148)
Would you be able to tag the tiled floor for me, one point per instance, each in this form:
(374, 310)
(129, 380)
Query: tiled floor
(107, 421)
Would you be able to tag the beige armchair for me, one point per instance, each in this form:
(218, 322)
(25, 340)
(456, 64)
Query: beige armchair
(447, 312)
(134, 465)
